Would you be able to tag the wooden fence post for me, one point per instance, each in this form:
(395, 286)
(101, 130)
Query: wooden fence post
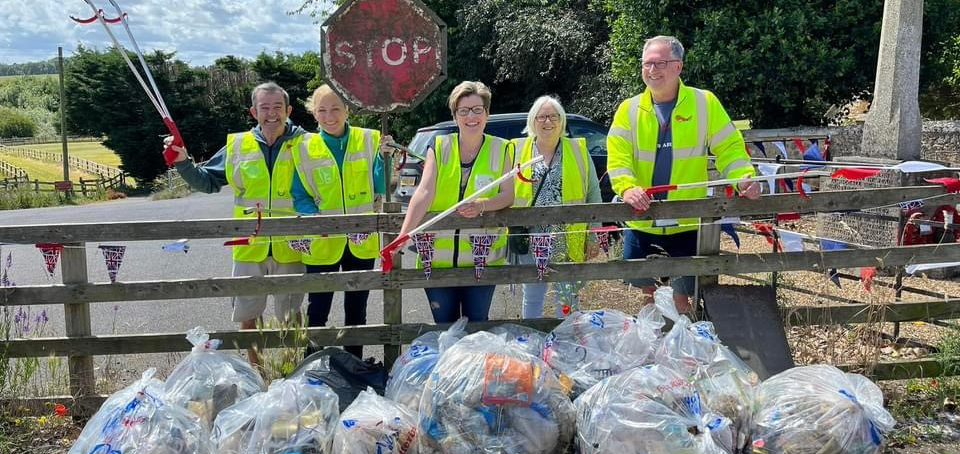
(73, 268)
(83, 187)
(392, 298)
(708, 243)
(36, 186)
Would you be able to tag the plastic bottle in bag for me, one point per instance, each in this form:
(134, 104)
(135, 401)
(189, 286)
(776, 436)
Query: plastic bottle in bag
(652, 410)
(413, 368)
(820, 410)
(138, 420)
(375, 425)
(486, 397)
(292, 416)
(207, 380)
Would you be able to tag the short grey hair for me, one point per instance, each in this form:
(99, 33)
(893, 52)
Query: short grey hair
(269, 87)
(675, 47)
(530, 130)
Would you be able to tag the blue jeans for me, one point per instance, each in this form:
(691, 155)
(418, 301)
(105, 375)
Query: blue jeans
(534, 293)
(639, 245)
(450, 303)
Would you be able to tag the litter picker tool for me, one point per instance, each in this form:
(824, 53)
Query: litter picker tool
(732, 181)
(152, 91)
(387, 252)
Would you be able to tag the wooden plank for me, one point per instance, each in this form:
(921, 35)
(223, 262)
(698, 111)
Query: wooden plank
(73, 267)
(403, 279)
(392, 298)
(126, 344)
(804, 291)
(868, 313)
(903, 370)
(712, 207)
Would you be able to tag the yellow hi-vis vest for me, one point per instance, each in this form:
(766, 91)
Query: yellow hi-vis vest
(351, 194)
(699, 124)
(573, 186)
(246, 170)
(488, 166)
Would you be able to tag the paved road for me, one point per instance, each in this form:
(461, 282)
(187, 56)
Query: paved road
(145, 260)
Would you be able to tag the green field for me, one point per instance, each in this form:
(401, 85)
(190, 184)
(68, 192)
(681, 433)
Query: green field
(17, 76)
(44, 171)
(93, 151)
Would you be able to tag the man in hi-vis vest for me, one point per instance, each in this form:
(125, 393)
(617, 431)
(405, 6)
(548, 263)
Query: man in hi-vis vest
(661, 137)
(258, 166)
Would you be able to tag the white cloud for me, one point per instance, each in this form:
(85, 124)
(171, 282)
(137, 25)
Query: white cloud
(199, 30)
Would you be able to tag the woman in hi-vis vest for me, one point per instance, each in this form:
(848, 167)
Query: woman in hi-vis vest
(565, 176)
(458, 165)
(339, 171)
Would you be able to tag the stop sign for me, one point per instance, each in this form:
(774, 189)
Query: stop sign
(384, 55)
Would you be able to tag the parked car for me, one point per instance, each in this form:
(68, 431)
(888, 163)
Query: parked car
(507, 126)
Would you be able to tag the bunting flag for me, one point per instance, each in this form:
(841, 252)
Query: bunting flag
(783, 148)
(834, 277)
(812, 153)
(300, 245)
(177, 246)
(710, 191)
(791, 216)
(832, 245)
(113, 257)
(727, 220)
(357, 238)
(732, 232)
(481, 249)
(51, 255)
(856, 173)
(910, 269)
(791, 241)
(826, 148)
(800, 145)
(760, 147)
(769, 170)
(806, 188)
(424, 245)
(866, 275)
(768, 232)
(911, 204)
(729, 189)
(5, 280)
(918, 166)
(542, 246)
(951, 184)
(603, 237)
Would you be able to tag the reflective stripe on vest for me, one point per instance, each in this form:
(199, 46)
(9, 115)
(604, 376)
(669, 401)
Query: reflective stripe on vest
(246, 171)
(487, 166)
(573, 186)
(333, 195)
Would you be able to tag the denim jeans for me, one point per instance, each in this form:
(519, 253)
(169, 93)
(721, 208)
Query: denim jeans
(639, 245)
(450, 303)
(534, 293)
(354, 303)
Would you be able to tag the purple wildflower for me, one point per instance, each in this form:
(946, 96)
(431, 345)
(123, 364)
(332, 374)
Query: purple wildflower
(116, 307)
(44, 316)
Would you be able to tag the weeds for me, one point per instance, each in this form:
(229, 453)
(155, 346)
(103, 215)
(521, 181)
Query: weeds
(30, 376)
(279, 362)
(22, 197)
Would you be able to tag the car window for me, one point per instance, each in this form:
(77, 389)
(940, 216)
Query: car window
(596, 137)
(504, 130)
(423, 140)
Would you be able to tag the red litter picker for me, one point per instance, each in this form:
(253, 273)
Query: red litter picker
(387, 252)
(152, 92)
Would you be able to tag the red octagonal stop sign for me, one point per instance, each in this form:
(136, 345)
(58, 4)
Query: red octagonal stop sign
(384, 55)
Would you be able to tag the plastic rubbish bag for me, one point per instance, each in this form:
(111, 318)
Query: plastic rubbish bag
(292, 416)
(486, 397)
(343, 372)
(652, 410)
(375, 425)
(522, 338)
(411, 370)
(820, 410)
(726, 383)
(207, 380)
(592, 345)
(137, 420)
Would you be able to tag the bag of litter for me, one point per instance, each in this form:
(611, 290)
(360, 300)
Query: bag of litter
(652, 410)
(375, 425)
(207, 380)
(522, 338)
(138, 420)
(411, 370)
(486, 397)
(820, 410)
(592, 345)
(292, 416)
(343, 372)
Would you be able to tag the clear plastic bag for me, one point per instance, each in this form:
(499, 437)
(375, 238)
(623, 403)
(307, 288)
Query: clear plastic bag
(522, 338)
(411, 370)
(292, 416)
(207, 380)
(375, 425)
(592, 345)
(820, 410)
(486, 397)
(652, 410)
(137, 420)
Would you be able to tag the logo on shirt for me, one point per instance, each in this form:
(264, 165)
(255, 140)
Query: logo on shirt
(682, 118)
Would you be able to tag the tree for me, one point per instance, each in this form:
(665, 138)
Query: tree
(15, 124)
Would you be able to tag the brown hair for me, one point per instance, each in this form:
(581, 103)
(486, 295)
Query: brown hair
(468, 88)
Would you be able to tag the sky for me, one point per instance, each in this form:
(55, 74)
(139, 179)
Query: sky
(200, 31)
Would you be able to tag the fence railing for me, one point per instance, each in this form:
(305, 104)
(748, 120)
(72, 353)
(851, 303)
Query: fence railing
(76, 293)
(85, 186)
(13, 171)
(42, 140)
(82, 164)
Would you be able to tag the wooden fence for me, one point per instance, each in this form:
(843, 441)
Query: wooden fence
(13, 171)
(41, 140)
(76, 293)
(85, 165)
(84, 186)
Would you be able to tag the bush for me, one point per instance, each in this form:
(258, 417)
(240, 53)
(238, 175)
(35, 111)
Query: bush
(13, 123)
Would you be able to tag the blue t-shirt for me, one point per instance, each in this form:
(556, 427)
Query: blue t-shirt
(663, 163)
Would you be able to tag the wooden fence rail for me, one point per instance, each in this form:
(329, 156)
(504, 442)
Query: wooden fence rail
(85, 165)
(13, 171)
(76, 293)
(42, 140)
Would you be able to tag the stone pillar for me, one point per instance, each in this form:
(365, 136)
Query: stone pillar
(892, 128)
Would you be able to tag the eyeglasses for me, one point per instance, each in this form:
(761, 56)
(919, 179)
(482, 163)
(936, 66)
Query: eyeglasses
(657, 64)
(552, 117)
(464, 111)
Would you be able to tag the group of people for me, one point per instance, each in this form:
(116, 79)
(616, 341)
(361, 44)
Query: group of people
(661, 136)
